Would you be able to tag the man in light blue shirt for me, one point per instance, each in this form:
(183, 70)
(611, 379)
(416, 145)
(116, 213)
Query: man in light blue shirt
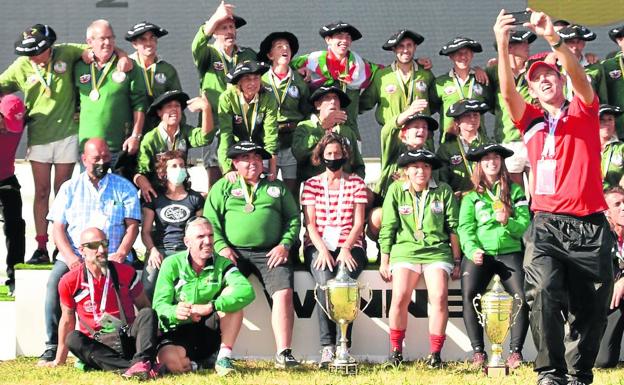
(94, 198)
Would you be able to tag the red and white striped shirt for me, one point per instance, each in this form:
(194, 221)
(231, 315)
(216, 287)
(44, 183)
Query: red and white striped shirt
(314, 195)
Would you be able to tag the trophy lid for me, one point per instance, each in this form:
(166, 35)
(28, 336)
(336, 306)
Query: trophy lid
(497, 294)
(342, 278)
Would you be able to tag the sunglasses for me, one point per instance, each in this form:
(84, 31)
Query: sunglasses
(96, 244)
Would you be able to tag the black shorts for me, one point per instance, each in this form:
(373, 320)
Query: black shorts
(255, 262)
(200, 339)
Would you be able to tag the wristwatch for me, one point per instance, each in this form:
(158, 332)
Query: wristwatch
(286, 246)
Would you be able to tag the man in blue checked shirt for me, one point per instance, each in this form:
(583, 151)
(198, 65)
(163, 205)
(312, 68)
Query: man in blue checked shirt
(94, 198)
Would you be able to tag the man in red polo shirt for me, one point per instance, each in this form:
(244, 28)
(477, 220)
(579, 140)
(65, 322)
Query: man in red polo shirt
(568, 245)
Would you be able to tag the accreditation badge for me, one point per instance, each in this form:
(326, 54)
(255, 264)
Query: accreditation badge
(119, 77)
(60, 67)
(545, 176)
(160, 78)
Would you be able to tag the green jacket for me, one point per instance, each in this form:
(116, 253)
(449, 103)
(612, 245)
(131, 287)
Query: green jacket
(389, 94)
(178, 282)
(598, 80)
(614, 79)
(154, 144)
(307, 135)
(274, 220)
(455, 171)
(212, 66)
(232, 124)
(396, 236)
(479, 229)
(445, 93)
(293, 106)
(612, 164)
(504, 129)
(49, 118)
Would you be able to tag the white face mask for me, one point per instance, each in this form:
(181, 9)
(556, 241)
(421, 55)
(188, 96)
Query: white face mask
(177, 175)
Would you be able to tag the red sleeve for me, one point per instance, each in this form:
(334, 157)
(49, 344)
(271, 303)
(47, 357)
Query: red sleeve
(130, 278)
(579, 108)
(66, 292)
(531, 113)
(359, 193)
(308, 196)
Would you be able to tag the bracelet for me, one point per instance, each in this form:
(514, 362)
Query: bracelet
(557, 44)
(136, 136)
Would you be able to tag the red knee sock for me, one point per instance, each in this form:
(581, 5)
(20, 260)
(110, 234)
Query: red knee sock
(436, 343)
(42, 241)
(396, 339)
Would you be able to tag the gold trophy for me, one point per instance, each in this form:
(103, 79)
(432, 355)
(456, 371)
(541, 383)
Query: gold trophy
(342, 296)
(496, 319)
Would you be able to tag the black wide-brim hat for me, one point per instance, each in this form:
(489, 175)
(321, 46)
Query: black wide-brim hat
(165, 98)
(35, 40)
(466, 105)
(459, 43)
(432, 124)
(340, 26)
(245, 147)
(246, 68)
(267, 44)
(345, 100)
(609, 109)
(576, 32)
(475, 154)
(616, 32)
(409, 157)
(520, 37)
(145, 26)
(397, 37)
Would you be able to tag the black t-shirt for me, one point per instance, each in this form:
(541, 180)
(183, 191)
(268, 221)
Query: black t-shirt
(171, 217)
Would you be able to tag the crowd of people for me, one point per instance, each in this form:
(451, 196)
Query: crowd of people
(284, 154)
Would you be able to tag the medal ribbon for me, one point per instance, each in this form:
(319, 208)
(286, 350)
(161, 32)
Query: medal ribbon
(494, 197)
(92, 295)
(605, 165)
(461, 89)
(409, 86)
(327, 202)
(46, 83)
(226, 63)
(249, 196)
(245, 109)
(148, 75)
(419, 207)
(96, 85)
(463, 155)
(280, 98)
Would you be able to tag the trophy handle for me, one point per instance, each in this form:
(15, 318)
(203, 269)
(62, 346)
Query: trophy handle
(370, 295)
(516, 297)
(317, 300)
(480, 316)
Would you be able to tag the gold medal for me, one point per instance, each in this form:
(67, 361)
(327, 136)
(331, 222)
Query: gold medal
(419, 235)
(249, 208)
(498, 205)
(47, 92)
(94, 95)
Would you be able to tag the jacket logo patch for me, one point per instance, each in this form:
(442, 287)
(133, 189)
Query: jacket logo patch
(437, 207)
(615, 74)
(421, 86)
(390, 89)
(450, 90)
(456, 159)
(477, 89)
(293, 92)
(237, 192)
(60, 67)
(238, 119)
(84, 78)
(405, 210)
(160, 78)
(274, 191)
(218, 66)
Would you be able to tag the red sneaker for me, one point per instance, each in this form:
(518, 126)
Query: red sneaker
(514, 360)
(140, 371)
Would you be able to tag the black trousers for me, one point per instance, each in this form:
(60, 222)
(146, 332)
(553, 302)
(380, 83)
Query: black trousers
(96, 355)
(14, 225)
(474, 281)
(569, 278)
(609, 352)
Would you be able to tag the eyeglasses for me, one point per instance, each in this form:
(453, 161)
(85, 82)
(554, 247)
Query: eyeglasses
(96, 244)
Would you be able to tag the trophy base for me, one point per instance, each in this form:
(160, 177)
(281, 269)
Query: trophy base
(350, 369)
(496, 371)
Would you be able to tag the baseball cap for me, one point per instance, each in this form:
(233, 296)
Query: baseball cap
(13, 110)
(540, 63)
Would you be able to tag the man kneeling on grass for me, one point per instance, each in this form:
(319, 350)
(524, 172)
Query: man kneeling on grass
(103, 294)
(199, 298)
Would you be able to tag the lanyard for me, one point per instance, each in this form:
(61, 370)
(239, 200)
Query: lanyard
(419, 207)
(280, 98)
(463, 155)
(148, 75)
(227, 64)
(92, 295)
(95, 86)
(460, 88)
(245, 108)
(327, 201)
(409, 86)
(549, 143)
(249, 196)
(46, 83)
(605, 165)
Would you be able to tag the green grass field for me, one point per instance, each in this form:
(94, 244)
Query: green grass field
(23, 371)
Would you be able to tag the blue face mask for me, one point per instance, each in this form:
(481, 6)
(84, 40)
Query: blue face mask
(176, 176)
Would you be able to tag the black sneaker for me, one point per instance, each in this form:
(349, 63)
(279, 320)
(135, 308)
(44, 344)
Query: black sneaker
(55, 254)
(434, 361)
(48, 355)
(395, 359)
(285, 360)
(39, 257)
